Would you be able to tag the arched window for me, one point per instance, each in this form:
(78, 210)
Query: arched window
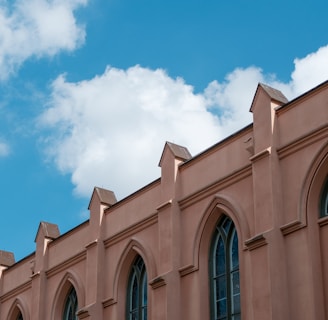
(324, 200)
(137, 291)
(224, 272)
(20, 316)
(71, 306)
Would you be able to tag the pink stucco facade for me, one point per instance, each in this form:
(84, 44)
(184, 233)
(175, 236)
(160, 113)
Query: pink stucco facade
(268, 178)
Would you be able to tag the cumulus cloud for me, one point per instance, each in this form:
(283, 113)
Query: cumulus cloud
(109, 131)
(37, 28)
(309, 71)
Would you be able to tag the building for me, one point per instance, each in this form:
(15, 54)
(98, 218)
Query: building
(239, 231)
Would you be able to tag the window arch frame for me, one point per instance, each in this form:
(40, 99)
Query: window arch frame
(69, 279)
(19, 309)
(228, 273)
(137, 289)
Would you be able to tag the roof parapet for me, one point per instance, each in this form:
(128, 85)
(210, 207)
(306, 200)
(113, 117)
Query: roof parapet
(172, 156)
(265, 102)
(179, 152)
(105, 197)
(274, 94)
(7, 258)
(48, 230)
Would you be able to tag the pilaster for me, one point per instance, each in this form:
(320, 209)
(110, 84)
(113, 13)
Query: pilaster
(101, 199)
(45, 234)
(268, 208)
(169, 229)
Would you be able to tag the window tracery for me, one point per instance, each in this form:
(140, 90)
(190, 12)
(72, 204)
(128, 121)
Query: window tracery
(224, 272)
(137, 291)
(71, 306)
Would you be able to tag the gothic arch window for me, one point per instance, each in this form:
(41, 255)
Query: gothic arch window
(137, 291)
(70, 305)
(19, 316)
(324, 200)
(224, 272)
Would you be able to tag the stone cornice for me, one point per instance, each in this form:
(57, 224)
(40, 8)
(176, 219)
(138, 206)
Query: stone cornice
(323, 221)
(66, 264)
(216, 186)
(291, 227)
(164, 205)
(108, 302)
(91, 244)
(18, 290)
(132, 229)
(260, 155)
(255, 242)
(157, 282)
(303, 141)
(83, 314)
(187, 270)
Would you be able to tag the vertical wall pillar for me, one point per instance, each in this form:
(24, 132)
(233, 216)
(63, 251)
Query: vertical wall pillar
(100, 200)
(169, 229)
(268, 207)
(46, 233)
(7, 259)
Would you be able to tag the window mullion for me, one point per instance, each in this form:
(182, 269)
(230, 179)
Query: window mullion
(228, 275)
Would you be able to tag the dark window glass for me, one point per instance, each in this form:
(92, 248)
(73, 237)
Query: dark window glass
(20, 316)
(324, 200)
(71, 306)
(137, 291)
(224, 272)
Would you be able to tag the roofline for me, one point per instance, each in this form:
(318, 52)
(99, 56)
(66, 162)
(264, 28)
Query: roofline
(133, 194)
(303, 95)
(217, 144)
(30, 255)
(50, 243)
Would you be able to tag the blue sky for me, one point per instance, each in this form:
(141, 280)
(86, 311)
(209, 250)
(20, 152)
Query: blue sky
(91, 90)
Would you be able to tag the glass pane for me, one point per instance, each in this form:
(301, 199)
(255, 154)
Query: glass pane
(20, 316)
(135, 294)
(144, 296)
(144, 289)
(236, 304)
(221, 306)
(235, 287)
(221, 288)
(220, 257)
(234, 251)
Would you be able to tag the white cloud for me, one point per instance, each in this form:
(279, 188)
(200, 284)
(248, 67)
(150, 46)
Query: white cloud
(37, 28)
(109, 131)
(112, 128)
(4, 149)
(310, 71)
